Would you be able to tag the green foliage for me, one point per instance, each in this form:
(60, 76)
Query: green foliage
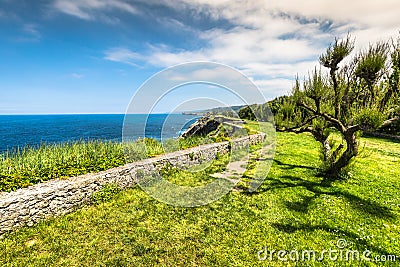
(392, 96)
(371, 62)
(221, 134)
(193, 141)
(276, 104)
(255, 112)
(105, 194)
(372, 118)
(315, 87)
(29, 165)
(246, 113)
(337, 52)
(153, 147)
(394, 77)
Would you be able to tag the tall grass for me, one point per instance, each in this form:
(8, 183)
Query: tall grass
(30, 165)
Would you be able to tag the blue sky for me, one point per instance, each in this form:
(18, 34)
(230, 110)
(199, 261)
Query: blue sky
(90, 56)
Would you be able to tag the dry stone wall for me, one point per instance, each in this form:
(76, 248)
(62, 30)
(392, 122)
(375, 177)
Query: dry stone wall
(29, 205)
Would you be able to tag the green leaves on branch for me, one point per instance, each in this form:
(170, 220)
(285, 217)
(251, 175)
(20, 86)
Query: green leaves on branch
(370, 118)
(371, 65)
(337, 52)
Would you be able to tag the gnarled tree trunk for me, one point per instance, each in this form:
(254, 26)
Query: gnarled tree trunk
(346, 157)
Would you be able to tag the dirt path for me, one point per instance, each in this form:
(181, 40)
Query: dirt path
(235, 169)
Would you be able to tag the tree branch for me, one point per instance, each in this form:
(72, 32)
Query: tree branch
(296, 131)
(390, 121)
(309, 120)
(328, 117)
(354, 128)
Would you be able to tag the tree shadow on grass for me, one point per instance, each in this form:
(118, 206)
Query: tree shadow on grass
(293, 166)
(316, 188)
(350, 237)
(319, 188)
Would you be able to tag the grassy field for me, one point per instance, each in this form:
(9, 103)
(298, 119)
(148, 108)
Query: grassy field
(294, 209)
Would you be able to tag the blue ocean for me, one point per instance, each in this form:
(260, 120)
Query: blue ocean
(32, 130)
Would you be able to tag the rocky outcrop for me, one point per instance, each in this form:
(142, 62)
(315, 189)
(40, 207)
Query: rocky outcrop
(209, 123)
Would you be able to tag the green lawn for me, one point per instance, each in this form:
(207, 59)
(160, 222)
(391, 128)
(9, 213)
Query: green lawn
(293, 209)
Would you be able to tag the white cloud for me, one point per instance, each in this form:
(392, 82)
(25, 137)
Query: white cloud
(272, 41)
(123, 55)
(279, 69)
(91, 9)
(274, 87)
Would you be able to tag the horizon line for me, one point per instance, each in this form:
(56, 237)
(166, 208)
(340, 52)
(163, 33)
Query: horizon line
(30, 114)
